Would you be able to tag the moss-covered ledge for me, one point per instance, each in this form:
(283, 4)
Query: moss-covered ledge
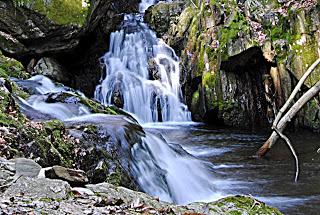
(237, 205)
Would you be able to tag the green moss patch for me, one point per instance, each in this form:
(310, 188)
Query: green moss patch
(59, 11)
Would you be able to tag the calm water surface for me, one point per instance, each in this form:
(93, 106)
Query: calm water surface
(270, 180)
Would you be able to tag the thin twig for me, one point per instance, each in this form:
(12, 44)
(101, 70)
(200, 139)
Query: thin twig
(194, 4)
(11, 182)
(286, 139)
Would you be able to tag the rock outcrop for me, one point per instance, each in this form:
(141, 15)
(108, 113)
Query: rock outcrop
(54, 196)
(241, 59)
(29, 36)
(84, 145)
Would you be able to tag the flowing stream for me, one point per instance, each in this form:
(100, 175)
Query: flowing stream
(177, 160)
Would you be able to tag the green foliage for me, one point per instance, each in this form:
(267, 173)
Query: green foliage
(59, 11)
(208, 79)
(231, 32)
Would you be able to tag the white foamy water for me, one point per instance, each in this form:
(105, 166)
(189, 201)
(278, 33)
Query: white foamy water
(153, 95)
(43, 86)
(172, 175)
(128, 78)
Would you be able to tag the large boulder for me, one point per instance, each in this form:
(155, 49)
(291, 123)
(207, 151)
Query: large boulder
(51, 68)
(26, 167)
(38, 188)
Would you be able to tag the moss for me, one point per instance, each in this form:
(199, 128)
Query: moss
(235, 205)
(47, 141)
(46, 199)
(10, 115)
(12, 68)
(209, 79)
(91, 129)
(96, 107)
(59, 11)
(115, 178)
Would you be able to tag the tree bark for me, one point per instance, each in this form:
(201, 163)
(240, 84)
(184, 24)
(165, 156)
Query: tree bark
(312, 92)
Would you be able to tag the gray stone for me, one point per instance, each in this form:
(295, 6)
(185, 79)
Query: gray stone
(50, 68)
(38, 188)
(27, 167)
(128, 196)
(74, 177)
(7, 165)
(81, 191)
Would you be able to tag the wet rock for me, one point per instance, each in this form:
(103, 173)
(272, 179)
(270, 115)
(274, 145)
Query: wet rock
(105, 153)
(162, 15)
(208, 36)
(63, 97)
(235, 205)
(50, 68)
(27, 167)
(117, 97)
(154, 70)
(74, 177)
(91, 105)
(38, 188)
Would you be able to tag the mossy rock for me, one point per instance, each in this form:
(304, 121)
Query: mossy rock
(162, 15)
(93, 106)
(237, 205)
(59, 11)
(11, 68)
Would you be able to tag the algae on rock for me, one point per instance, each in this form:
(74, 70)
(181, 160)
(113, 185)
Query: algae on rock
(209, 36)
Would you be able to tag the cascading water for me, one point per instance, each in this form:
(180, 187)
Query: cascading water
(42, 87)
(172, 174)
(153, 96)
(161, 169)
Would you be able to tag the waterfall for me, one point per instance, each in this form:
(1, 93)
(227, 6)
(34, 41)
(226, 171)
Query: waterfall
(160, 169)
(142, 74)
(170, 173)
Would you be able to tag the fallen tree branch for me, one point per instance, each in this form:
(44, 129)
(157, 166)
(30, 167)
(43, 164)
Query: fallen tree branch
(312, 92)
(286, 139)
(194, 4)
(295, 91)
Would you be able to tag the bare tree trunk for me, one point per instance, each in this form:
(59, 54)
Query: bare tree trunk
(295, 91)
(312, 92)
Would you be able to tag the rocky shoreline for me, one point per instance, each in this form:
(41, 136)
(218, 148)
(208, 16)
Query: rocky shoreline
(26, 188)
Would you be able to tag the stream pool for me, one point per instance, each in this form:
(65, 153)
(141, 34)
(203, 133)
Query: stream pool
(236, 172)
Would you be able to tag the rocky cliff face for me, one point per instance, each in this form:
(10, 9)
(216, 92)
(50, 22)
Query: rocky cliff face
(241, 59)
(28, 36)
